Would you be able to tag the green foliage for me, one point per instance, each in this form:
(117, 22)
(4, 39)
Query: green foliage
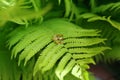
(113, 39)
(22, 12)
(93, 17)
(107, 7)
(76, 47)
(57, 39)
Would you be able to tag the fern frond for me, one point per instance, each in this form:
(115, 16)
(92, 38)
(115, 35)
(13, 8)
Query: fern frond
(113, 40)
(62, 64)
(82, 33)
(15, 50)
(56, 46)
(107, 7)
(49, 57)
(114, 23)
(25, 42)
(76, 71)
(79, 72)
(86, 61)
(42, 56)
(36, 49)
(93, 17)
(87, 50)
(22, 12)
(54, 59)
(111, 56)
(18, 36)
(67, 7)
(67, 69)
(82, 42)
(8, 68)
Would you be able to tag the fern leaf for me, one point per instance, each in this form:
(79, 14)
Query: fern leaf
(79, 56)
(83, 33)
(96, 18)
(36, 48)
(83, 41)
(54, 59)
(27, 40)
(116, 6)
(42, 56)
(64, 55)
(107, 7)
(80, 72)
(86, 61)
(111, 56)
(92, 17)
(76, 71)
(114, 23)
(18, 36)
(87, 15)
(88, 50)
(85, 75)
(62, 64)
(67, 69)
(49, 56)
(22, 13)
(67, 7)
(33, 48)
